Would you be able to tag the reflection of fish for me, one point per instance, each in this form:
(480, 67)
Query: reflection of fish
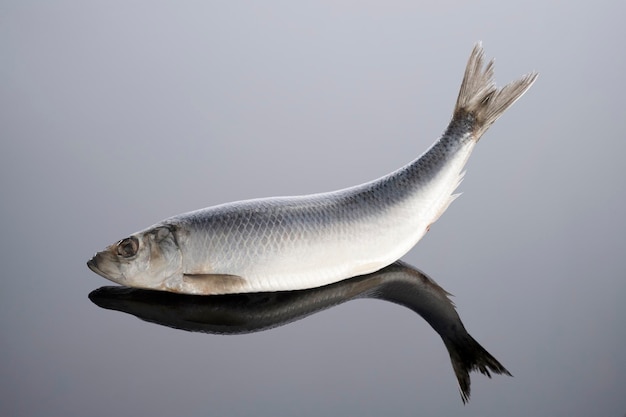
(246, 313)
(300, 242)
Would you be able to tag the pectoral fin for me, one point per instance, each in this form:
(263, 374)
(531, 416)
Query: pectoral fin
(213, 284)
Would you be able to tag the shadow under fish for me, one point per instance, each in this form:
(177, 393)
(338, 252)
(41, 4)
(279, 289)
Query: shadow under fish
(398, 283)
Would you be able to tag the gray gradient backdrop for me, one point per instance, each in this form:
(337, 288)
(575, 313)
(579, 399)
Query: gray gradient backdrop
(116, 114)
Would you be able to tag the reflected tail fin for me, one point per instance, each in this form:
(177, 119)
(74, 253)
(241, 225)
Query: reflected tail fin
(468, 355)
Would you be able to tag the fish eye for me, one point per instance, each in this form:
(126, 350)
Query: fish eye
(127, 247)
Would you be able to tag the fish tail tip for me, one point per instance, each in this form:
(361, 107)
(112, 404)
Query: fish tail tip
(480, 98)
(468, 355)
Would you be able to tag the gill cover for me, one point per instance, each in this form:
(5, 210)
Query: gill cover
(146, 259)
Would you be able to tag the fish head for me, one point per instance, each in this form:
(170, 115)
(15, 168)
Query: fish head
(146, 259)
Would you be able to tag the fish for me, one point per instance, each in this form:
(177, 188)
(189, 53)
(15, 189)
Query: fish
(299, 242)
(231, 314)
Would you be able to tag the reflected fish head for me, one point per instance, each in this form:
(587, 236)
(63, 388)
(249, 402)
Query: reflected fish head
(146, 259)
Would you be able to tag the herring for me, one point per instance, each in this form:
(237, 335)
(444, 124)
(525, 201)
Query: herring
(290, 243)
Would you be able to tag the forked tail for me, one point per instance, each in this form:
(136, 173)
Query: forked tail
(480, 100)
(468, 355)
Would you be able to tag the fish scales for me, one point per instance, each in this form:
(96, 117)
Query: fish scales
(257, 239)
(289, 243)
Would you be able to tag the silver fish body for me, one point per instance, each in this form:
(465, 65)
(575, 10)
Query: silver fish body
(290, 243)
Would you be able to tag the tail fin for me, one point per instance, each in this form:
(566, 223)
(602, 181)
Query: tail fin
(468, 355)
(480, 99)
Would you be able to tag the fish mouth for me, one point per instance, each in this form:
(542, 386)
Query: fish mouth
(100, 264)
(91, 264)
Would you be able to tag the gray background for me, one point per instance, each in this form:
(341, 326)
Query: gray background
(116, 114)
